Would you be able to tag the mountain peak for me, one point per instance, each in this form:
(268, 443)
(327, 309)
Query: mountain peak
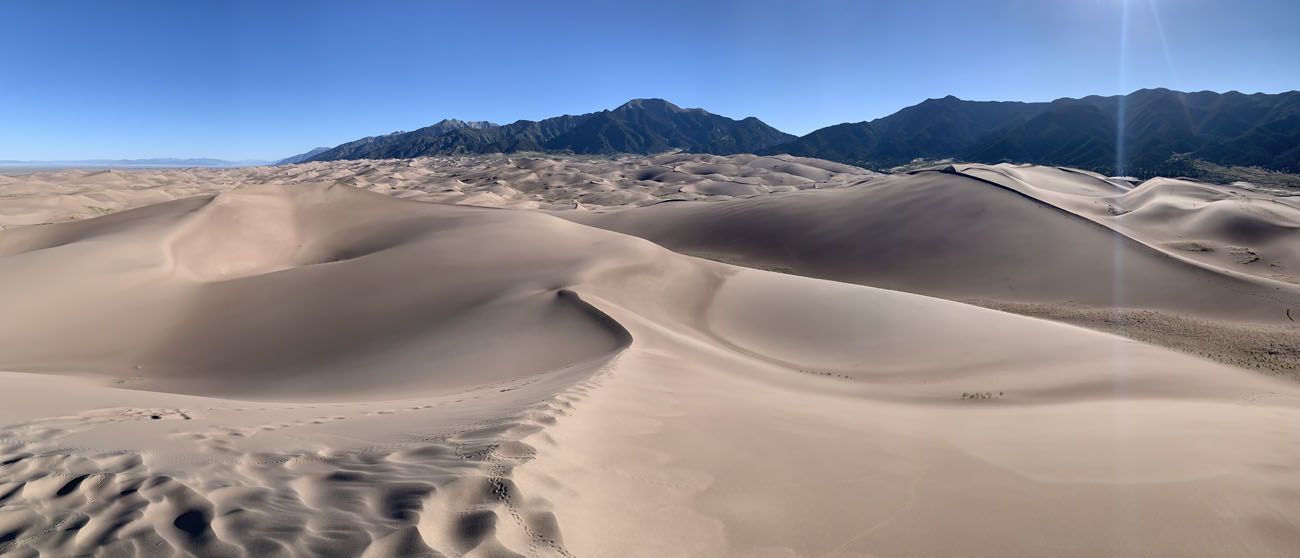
(649, 104)
(637, 126)
(454, 124)
(1164, 129)
(948, 99)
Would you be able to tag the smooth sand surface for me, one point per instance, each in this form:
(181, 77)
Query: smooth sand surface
(273, 368)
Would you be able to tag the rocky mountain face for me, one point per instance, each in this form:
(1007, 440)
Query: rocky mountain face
(1150, 131)
(638, 126)
(1159, 128)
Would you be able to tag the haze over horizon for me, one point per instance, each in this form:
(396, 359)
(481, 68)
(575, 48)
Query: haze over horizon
(240, 80)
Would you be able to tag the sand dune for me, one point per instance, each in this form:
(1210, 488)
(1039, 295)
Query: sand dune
(324, 296)
(317, 370)
(223, 295)
(1047, 242)
(953, 234)
(1226, 227)
(1107, 447)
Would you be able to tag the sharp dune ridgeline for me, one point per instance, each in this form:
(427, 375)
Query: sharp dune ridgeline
(668, 355)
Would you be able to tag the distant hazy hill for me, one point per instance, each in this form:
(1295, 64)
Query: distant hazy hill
(302, 156)
(639, 126)
(162, 162)
(1229, 129)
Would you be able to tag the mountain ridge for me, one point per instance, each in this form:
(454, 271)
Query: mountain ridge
(1163, 131)
(302, 156)
(638, 126)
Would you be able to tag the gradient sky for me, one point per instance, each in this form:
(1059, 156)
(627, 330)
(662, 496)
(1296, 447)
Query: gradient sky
(267, 79)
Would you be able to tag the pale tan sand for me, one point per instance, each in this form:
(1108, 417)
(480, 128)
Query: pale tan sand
(339, 373)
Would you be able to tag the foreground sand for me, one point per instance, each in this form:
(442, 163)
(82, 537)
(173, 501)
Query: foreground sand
(318, 370)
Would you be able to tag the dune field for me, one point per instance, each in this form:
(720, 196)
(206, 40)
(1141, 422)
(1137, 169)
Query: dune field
(43, 196)
(679, 355)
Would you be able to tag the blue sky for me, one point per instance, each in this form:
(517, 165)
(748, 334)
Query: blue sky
(265, 79)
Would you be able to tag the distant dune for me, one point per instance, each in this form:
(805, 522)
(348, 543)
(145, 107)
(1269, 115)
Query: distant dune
(532, 182)
(277, 362)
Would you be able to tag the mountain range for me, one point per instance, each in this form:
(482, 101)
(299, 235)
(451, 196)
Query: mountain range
(154, 163)
(1162, 130)
(638, 126)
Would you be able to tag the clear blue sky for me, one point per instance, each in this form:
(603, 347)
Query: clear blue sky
(266, 79)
